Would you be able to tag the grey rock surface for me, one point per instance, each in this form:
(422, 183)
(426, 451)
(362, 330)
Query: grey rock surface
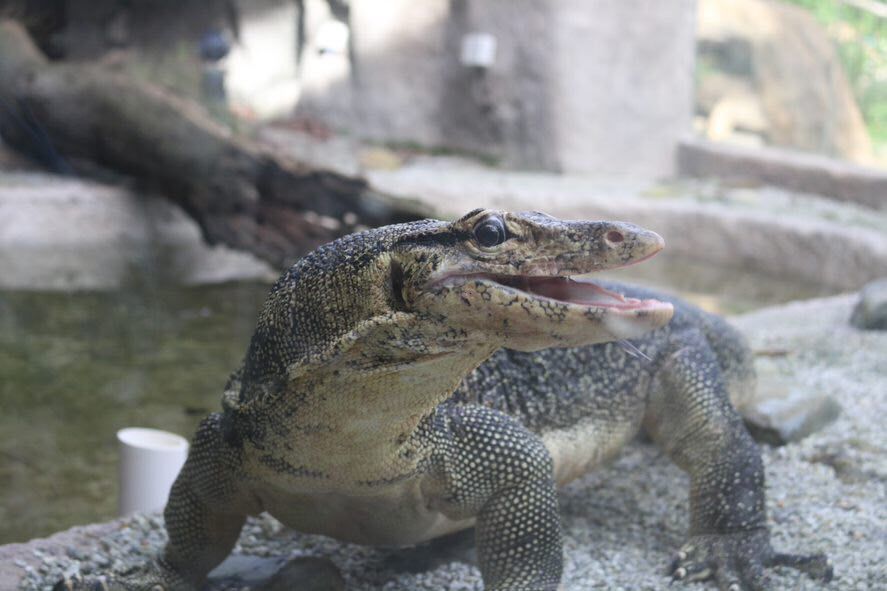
(790, 169)
(781, 412)
(308, 573)
(870, 312)
(826, 493)
(246, 570)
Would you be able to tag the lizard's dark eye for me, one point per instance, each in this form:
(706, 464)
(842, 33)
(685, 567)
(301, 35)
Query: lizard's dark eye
(490, 232)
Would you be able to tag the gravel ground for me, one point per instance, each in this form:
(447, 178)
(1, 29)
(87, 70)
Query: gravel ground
(827, 493)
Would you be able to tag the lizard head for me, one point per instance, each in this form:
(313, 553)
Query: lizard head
(416, 290)
(509, 279)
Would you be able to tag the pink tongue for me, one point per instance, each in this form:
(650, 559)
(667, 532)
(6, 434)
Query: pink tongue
(569, 290)
(581, 292)
(586, 292)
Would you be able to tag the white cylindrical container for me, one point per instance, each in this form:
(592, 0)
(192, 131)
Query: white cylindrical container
(150, 460)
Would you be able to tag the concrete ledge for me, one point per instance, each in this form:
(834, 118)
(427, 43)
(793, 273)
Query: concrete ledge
(806, 173)
(65, 233)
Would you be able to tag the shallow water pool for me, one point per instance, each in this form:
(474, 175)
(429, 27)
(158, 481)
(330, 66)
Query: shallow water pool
(77, 367)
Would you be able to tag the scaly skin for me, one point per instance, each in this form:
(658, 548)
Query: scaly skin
(360, 411)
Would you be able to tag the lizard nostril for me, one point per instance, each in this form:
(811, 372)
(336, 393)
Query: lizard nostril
(614, 236)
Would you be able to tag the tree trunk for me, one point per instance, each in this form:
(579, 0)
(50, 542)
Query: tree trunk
(239, 193)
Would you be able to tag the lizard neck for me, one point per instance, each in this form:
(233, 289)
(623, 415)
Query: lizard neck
(356, 427)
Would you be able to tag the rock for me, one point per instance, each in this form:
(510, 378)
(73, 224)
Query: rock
(307, 573)
(243, 570)
(456, 547)
(793, 170)
(807, 101)
(825, 361)
(870, 312)
(782, 412)
(65, 233)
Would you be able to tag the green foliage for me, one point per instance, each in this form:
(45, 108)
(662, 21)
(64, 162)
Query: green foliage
(861, 38)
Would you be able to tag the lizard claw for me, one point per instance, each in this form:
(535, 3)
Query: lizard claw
(690, 571)
(737, 561)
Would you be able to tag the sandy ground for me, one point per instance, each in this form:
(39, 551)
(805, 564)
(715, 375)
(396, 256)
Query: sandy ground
(826, 493)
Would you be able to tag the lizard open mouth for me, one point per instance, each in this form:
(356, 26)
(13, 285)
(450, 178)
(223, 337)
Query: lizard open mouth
(571, 290)
(564, 289)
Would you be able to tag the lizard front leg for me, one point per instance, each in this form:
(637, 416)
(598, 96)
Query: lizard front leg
(486, 465)
(690, 416)
(206, 510)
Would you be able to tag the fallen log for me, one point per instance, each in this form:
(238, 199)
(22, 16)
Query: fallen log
(239, 193)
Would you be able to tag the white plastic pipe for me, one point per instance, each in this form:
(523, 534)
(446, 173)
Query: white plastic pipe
(478, 50)
(150, 460)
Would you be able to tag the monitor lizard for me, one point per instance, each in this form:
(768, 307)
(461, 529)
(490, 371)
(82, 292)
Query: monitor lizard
(417, 379)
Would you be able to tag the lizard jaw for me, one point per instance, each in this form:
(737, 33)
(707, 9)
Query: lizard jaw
(558, 288)
(569, 290)
(530, 312)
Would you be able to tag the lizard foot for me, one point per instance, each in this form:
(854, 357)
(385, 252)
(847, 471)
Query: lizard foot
(145, 579)
(737, 561)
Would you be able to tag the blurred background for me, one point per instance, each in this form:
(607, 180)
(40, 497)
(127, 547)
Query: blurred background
(161, 162)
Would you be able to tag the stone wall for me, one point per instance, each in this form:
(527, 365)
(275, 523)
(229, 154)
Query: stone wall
(577, 85)
(624, 84)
